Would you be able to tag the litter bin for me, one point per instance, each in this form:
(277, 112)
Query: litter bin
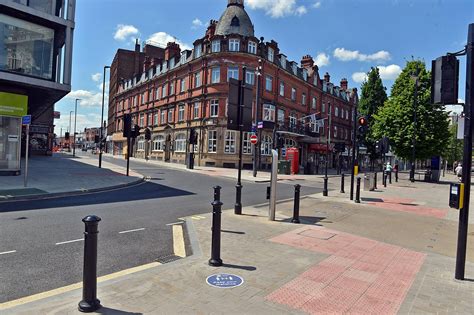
(369, 181)
(284, 167)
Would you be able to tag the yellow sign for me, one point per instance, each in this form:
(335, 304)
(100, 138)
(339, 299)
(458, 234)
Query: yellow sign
(356, 170)
(15, 105)
(461, 196)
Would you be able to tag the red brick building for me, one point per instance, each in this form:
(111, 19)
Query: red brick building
(171, 91)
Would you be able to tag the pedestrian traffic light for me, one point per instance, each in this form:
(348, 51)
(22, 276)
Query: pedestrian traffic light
(136, 131)
(66, 136)
(127, 125)
(444, 80)
(193, 136)
(147, 134)
(362, 128)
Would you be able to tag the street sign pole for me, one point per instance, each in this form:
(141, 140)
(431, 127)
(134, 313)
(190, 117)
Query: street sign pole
(238, 187)
(467, 159)
(353, 153)
(26, 153)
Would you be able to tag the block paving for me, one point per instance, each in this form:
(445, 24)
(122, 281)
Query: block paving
(361, 276)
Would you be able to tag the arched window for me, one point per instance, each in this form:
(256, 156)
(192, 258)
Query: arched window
(180, 143)
(266, 145)
(141, 144)
(159, 143)
(235, 21)
(290, 143)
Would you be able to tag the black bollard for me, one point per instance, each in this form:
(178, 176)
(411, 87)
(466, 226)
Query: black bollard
(296, 207)
(89, 302)
(357, 200)
(375, 180)
(342, 183)
(325, 189)
(396, 176)
(389, 177)
(216, 260)
(384, 179)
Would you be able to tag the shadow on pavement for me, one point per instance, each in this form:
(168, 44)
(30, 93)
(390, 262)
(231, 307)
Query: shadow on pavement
(144, 191)
(106, 310)
(248, 268)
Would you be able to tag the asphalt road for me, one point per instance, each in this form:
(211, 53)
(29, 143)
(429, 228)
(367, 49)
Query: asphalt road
(40, 240)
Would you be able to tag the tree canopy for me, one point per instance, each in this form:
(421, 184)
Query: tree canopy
(396, 118)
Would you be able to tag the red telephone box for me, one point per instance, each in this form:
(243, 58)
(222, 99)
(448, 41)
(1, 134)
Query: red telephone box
(293, 155)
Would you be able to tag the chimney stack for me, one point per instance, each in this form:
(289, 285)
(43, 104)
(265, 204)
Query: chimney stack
(172, 49)
(307, 62)
(327, 77)
(344, 84)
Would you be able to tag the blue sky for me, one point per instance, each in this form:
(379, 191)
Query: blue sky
(346, 38)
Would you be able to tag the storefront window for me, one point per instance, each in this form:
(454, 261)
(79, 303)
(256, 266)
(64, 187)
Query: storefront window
(26, 48)
(229, 142)
(266, 145)
(9, 143)
(180, 143)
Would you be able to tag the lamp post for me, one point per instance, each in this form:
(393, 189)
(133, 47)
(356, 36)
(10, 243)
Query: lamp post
(69, 130)
(413, 153)
(102, 118)
(328, 141)
(258, 73)
(75, 120)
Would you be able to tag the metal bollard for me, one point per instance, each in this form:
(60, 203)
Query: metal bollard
(296, 207)
(384, 179)
(342, 183)
(375, 180)
(89, 302)
(389, 177)
(357, 200)
(325, 189)
(396, 176)
(216, 260)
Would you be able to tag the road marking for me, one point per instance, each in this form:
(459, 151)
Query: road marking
(67, 242)
(9, 252)
(178, 241)
(75, 286)
(134, 230)
(174, 223)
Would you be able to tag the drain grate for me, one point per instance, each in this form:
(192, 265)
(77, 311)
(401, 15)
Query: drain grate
(167, 259)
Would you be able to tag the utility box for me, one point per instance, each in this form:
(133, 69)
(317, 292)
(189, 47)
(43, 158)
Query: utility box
(293, 155)
(369, 182)
(456, 195)
(284, 167)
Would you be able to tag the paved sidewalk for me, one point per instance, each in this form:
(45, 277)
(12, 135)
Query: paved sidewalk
(343, 258)
(63, 174)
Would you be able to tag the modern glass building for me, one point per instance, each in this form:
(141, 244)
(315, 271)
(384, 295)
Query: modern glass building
(35, 72)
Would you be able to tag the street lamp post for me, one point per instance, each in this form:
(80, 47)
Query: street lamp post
(102, 118)
(75, 120)
(328, 141)
(413, 153)
(69, 130)
(258, 73)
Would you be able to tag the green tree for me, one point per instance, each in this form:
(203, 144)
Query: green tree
(454, 147)
(395, 118)
(373, 96)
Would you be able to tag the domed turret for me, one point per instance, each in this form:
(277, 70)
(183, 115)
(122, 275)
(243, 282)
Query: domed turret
(235, 20)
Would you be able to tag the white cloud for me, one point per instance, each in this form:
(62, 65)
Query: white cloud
(348, 55)
(317, 5)
(197, 23)
(96, 77)
(125, 31)
(321, 60)
(277, 8)
(162, 39)
(301, 10)
(390, 72)
(359, 77)
(88, 98)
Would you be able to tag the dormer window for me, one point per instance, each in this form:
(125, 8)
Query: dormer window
(305, 74)
(183, 58)
(216, 46)
(235, 21)
(283, 61)
(294, 68)
(234, 44)
(252, 48)
(172, 63)
(271, 54)
(197, 51)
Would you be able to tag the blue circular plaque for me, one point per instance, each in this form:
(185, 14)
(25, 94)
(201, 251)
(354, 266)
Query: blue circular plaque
(224, 280)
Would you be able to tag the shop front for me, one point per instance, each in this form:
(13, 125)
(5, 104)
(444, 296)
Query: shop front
(12, 108)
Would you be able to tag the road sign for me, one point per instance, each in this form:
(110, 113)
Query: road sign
(254, 128)
(224, 280)
(283, 152)
(253, 139)
(260, 125)
(26, 120)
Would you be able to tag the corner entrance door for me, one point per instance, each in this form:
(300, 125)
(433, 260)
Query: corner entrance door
(167, 148)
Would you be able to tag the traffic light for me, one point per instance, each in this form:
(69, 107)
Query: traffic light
(136, 131)
(96, 139)
(147, 134)
(193, 136)
(66, 136)
(127, 125)
(362, 128)
(444, 80)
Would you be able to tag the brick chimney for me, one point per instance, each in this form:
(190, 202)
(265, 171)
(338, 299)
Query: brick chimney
(146, 64)
(344, 84)
(137, 45)
(307, 62)
(327, 77)
(172, 49)
(211, 29)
